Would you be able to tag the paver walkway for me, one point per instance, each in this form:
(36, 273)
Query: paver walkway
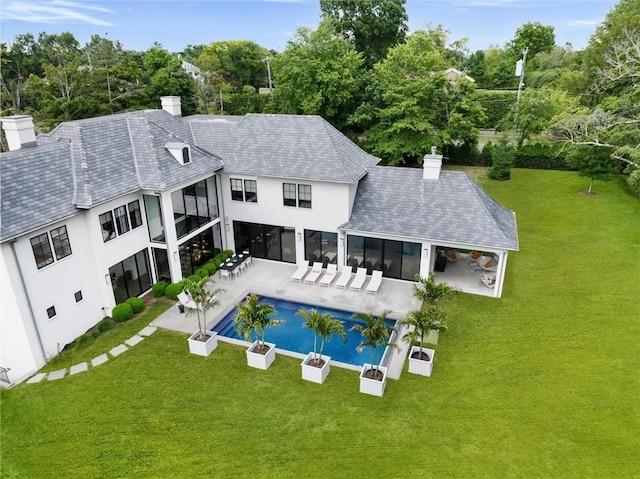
(95, 362)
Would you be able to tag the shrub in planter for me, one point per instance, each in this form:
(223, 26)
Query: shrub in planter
(137, 304)
(121, 312)
(173, 290)
(228, 253)
(157, 290)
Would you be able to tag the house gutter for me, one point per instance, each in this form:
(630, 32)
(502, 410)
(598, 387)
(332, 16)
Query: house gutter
(26, 293)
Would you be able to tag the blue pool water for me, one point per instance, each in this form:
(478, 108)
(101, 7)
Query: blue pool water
(293, 337)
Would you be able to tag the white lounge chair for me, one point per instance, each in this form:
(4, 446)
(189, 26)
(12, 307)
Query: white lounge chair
(316, 271)
(186, 301)
(330, 275)
(300, 272)
(344, 278)
(361, 277)
(374, 284)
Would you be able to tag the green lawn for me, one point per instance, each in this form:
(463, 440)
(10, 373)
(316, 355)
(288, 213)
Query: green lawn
(543, 383)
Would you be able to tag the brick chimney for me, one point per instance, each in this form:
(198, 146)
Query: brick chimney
(431, 165)
(172, 104)
(19, 131)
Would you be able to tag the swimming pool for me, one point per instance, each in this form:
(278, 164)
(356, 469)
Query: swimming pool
(293, 337)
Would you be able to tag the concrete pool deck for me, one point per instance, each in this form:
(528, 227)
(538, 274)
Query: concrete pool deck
(270, 278)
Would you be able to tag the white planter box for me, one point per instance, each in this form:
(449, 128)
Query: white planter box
(261, 361)
(373, 386)
(203, 348)
(314, 374)
(420, 366)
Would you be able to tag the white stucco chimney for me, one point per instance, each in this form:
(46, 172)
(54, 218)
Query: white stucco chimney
(19, 131)
(172, 105)
(431, 165)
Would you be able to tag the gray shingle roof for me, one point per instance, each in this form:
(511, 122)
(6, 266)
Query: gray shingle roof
(96, 160)
(453, 208)
(291, 146)
(37, 188)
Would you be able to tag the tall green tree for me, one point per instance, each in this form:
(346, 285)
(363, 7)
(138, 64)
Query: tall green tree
(167, 77)
(375, 26)
(534, 36)
(612, 59)
(236, 62)
(319, 73)
(375, 335)
(414, 106)
(115, 76)
(536, 112)
(592, 162)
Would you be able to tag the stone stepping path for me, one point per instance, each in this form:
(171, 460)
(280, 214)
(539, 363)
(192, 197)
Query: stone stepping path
(97, 361)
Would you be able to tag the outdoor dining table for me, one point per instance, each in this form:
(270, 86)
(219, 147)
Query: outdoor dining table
(232, 263)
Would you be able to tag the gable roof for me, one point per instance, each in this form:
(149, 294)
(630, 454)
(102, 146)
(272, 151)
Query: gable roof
(453, 209)
(282, 146)
(97, 160)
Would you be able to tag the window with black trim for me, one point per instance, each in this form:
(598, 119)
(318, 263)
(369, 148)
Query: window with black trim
(251, 191)
(78, 296)
(42, 250)
(51, 312)
(127, 217)
(304, 196)
(289, 194)
(186, 157)
(244, 190)
(296, 195)
(122, 220)
(135, 216)
(60, 240)
(108, 228)
(236, 190)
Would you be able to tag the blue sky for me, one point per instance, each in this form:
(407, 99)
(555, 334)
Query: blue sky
(271, 23)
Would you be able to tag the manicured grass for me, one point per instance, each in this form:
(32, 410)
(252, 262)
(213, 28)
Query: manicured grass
(541, 383)
(111, 338)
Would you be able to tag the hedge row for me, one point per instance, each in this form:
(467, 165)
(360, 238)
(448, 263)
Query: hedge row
(208, 269)
(496, 104)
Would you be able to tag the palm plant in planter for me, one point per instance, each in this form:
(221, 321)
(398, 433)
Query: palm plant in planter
(315, 367)
(430, 292)
(202, 342)
(252, 319)
(420, 323)
(375, 334)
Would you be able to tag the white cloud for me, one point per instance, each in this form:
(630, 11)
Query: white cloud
(583, 23)
(56, 11)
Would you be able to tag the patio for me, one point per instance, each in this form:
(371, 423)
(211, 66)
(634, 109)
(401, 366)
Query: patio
(270, 278)
(461, 276)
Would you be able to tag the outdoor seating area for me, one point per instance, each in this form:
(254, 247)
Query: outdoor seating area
(477, 262)
(235, 265)
(302, 274)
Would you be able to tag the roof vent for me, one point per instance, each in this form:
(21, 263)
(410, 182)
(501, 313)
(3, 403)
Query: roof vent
(180, 151)
(431, 165)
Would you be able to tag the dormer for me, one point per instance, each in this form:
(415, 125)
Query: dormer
(180, 151)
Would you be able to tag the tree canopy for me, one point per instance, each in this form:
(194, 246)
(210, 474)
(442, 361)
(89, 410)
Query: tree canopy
(375, 26)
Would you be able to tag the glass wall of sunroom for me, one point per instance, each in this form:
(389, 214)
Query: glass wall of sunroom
(396, 259)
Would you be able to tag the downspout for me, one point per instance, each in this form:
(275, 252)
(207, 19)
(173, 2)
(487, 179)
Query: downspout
(26, 293)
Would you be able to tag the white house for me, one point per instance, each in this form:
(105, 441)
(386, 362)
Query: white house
(99, 209)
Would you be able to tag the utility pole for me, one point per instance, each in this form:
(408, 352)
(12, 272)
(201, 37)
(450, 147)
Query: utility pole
(520, 67)
(268, 62)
